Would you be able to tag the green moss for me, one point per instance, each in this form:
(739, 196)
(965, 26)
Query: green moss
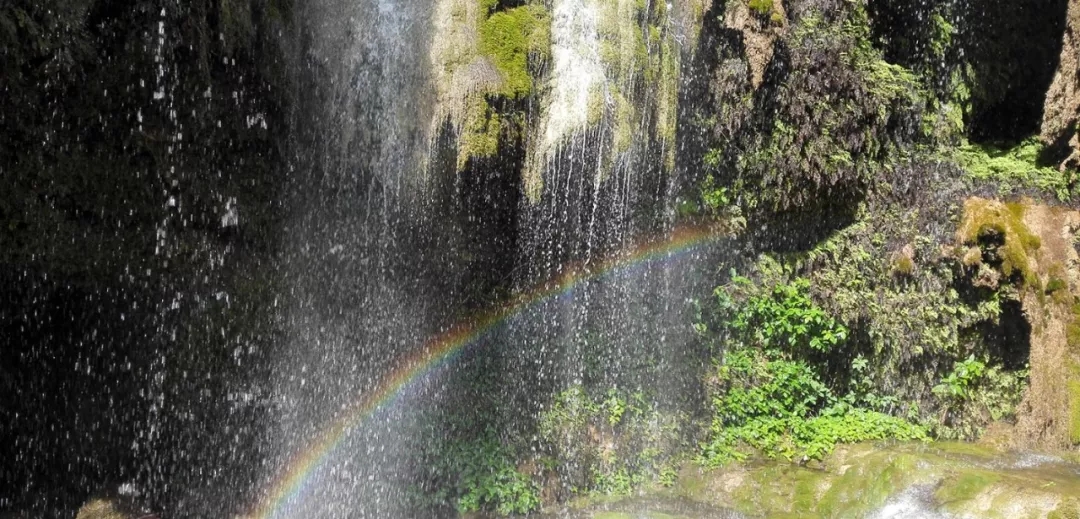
(903, 265)
(965, 487)
(508, 38)
(1056, 285)
(868, 484)
(1013, 167)
(480, 132)
(762, 7)
(782, 489)
(1072, 331)
(668, 101)
(987, 220)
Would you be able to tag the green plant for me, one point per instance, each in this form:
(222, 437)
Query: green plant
(768, 394)
(958, 384)
(781, 408)
(786, 318)
(615, 407)
(620, 482)
(975, 392)
(668, 476)
(610, 442)
(485, 477)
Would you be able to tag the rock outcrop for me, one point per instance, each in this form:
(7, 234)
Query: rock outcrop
(1031, 245)
(1061, 111)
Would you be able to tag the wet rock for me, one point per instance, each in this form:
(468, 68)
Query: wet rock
(761, 24)
(880, 481)
(1061, 111)
(118, 503)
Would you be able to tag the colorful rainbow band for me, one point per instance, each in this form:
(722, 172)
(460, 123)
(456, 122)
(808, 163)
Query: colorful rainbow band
(442, 348)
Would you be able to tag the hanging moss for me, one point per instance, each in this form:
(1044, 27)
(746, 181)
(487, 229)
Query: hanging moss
(480, 132)
(508, 38)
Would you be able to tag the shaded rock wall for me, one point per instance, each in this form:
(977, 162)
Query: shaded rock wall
(1061, 111)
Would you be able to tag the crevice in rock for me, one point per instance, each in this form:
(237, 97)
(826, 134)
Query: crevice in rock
(1013, 50)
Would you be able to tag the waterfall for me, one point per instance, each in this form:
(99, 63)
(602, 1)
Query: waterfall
(377, 237)
(357, 295)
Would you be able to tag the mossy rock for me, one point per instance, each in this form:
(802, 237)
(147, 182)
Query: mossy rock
(103, 508)
(961, 479)
(998, 229)
(509, 37)
(1074, 403)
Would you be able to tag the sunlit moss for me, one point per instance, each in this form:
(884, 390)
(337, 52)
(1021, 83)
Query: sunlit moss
(508, 38)
(965, 487)
(485, 53)
(1013, 167)
(762, 7)
(625, 125)
(667, 102)
(985, 220)
(903, 265)
(1074, 405)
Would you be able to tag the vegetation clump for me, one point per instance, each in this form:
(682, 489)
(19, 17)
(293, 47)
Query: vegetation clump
(761, 7)
(484, 477)
(484, 85)
(826, 130)
(509, 38)
(1000, 233)
(610, 443)
(1015, 167)
(769, 391)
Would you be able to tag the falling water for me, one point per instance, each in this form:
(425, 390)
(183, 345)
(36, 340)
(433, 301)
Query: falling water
(374, 255)
(357, 295)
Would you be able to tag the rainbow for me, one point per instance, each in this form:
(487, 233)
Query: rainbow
(443, 348)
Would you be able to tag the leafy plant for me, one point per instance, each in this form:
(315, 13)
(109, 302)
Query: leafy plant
(958, 384)
(611, 442)
(768, 393)
(485, 478)
(786, 318)
(973, 393)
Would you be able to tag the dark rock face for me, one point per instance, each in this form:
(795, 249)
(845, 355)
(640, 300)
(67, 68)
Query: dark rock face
(1005, 53)
(140, 160)
(1012, 50)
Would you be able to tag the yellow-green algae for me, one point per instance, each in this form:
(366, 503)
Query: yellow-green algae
(962, 478)
(983, 217)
